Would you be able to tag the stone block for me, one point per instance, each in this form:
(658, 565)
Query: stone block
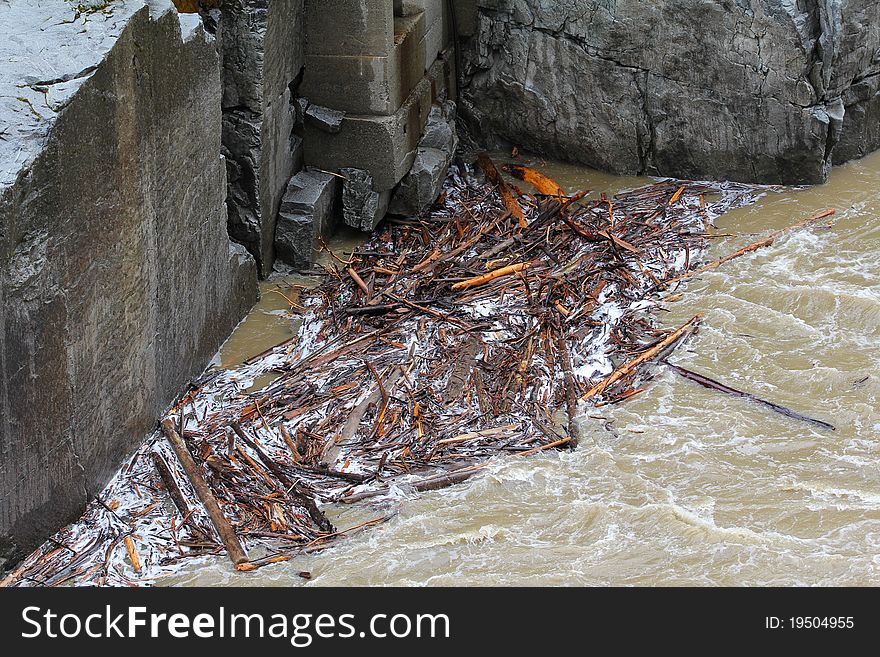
(384, 146)
(362, 207)
(262, 47)
(349, 27)
(311, 192)
(422, 185)
(309, 210)
(323, 118)
(434, 9)
(367, 84)
(442, 74)
(261, 155)
(438, 30)
(440, 131)
(437, 37)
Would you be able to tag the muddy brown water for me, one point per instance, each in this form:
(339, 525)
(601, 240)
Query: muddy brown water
(680, 485)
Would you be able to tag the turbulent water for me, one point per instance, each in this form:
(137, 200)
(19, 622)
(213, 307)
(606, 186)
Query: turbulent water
(680, 485)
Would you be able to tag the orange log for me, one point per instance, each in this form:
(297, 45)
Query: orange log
(491, 276)
(132, 553)
(541, 182)
(677, 195)
(360, 282)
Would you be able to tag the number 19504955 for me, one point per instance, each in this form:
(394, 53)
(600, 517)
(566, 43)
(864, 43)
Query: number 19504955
(809, 622)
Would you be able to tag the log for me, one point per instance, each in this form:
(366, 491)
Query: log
(175, 493)
(353, 423)
(446, 480)
(676, 196)
(556, 443)
(227, 534)
(543, 183)
(623, 371)
(360, 282)
(290, 487)
(504, 192)
(706, 382)
(429, 483)
(285, 435)
(491, 276)
(570, 387)
(132, 553)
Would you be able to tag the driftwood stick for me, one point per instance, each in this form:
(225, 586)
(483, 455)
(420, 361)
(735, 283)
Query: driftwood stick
(706, 382)
(292, 487)
(132, 553)
(446, 480)
(556, 443)
(504, 192)
(571, 401)
(360, 282)
(291, 445)
(353, 477)
(491, 276)
(221, 524)
(760, 244)
(623, 371)
(175, 493)
(430, 483)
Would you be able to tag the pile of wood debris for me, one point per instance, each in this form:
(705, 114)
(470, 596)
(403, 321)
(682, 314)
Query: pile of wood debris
(444, 341)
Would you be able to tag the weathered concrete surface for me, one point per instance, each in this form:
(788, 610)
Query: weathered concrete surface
(749, 90)
(420, 187)
(370, 84)
(117, 278)
(310, 209)
(438, 25)
(384, 146)
(349, 27)
(262, 45)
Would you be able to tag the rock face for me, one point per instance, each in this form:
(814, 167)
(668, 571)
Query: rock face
(118, 281)
(752, 90)
(262, 46)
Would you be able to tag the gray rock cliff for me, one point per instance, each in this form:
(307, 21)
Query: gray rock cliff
(753, 90)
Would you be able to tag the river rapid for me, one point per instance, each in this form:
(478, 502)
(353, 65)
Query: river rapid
(679, 485)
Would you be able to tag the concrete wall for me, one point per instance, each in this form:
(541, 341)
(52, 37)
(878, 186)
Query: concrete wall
(117, 278)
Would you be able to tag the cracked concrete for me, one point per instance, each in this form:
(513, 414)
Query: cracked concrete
(753, 90)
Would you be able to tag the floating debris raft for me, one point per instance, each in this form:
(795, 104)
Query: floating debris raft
(444, 341)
